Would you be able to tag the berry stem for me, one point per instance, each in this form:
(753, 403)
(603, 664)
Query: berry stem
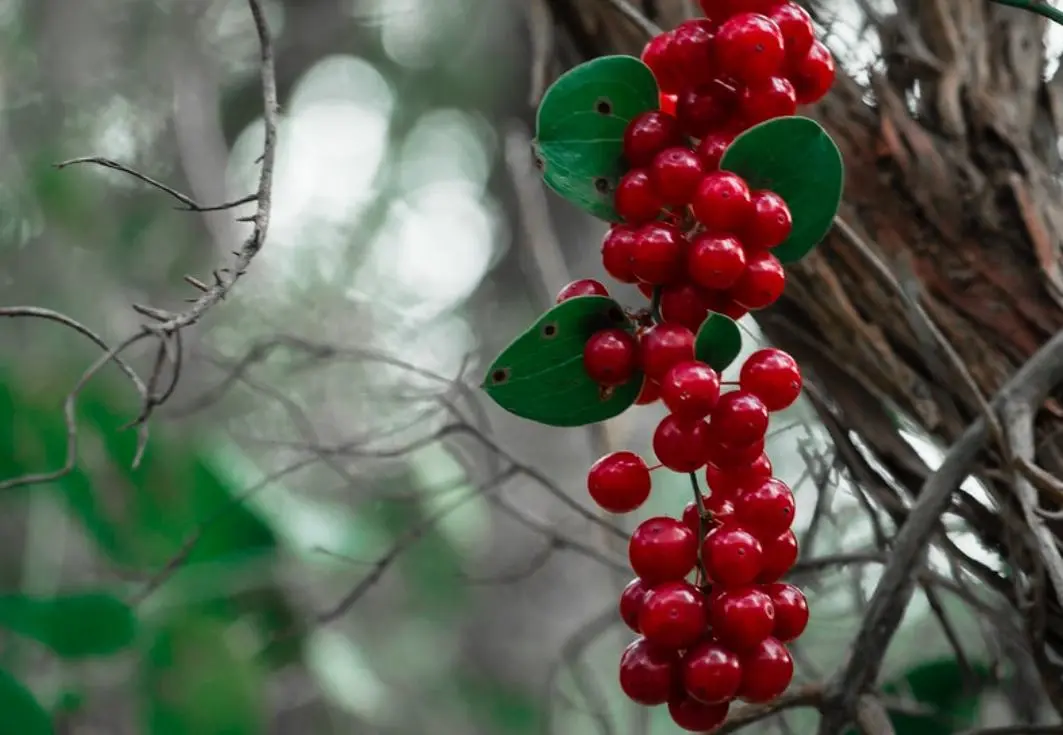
(655, 305)
(704, 516)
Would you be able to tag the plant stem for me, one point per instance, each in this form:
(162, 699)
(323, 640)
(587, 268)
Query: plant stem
(703, 520)
(1040, 8)
(655, 305)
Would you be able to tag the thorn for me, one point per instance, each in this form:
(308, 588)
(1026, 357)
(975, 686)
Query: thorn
(245, 219)
(218, 280)
(160, 315)
(196, 283)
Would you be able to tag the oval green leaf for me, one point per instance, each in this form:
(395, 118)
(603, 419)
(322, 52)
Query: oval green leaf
(718, 342)
(580, 129)
(21, 712)
(797, 159)
(540, 375)
(74, 626)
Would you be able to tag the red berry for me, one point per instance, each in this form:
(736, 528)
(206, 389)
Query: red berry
(729, 481)
(667, 103)
(582, 287)
(732, 556)
(711, 149)
(693, 716)
(662, 346)
(619, 482)
(610, 357)
(716, 261)
(772, 376)
(656, 55)
(770, 224)
(711, 673)
(636, 199)
(813, 74)
(761, 284)
(791, 611)
(650, 392)
(721, 302)
(722, 202)
(780, 555)
(646, 289)
(719, 508)
(766, 100)
(683, 304)
(662, 549)
(657, 254)
(673, 615)
(681, 445)
(647, 135)
(676, 173)
(733, 456)
(741, 417)
(742, 617)
(749, 47)
(691, 51)
(631, 601)
(767, 508)
(705, 108)
(796, 27)
(766, 672)
(690, 390)
(648, 674)
(617, 245)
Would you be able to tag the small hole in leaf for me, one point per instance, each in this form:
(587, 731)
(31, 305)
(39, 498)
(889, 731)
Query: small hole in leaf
(549, 330)
(603, 106)
(540, 164)
(605, 392)
(602, 185)
(500, 376)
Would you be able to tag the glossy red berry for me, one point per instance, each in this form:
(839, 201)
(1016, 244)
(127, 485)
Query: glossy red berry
(796, 27)
(610, 357)
(668, 104)
(740, 417)
(656, 55)
(728, 482)
(711, 149)
(617, 245)
(636, 199)
(658, 252)
(676, 173)
(582, 287)
(762, 282)
(711, 673)
(766, 672)
(770, 224)
(768, 99)
(690, 390)
(720, 509)
(813, 74)
(722, 202)
(683, 303)
(646, 289)
(662, 346)
(673, 615)
(791, 611)
(681, 445)
(691, 51)
(749, 47)
(647, 135)
(733, 556)
(767, 508)
(631, 601)
(780, 555)
(733, 456)
(650, 392)
(693, 716)
(662, 549)
(742, 617)
(619, 482)
(648, 675)
(703, 109)
(716, 261)
(772, 376)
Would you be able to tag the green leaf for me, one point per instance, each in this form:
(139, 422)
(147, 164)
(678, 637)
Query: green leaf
(580, 129)
(22, 713)
(718, 342)
(798, 160)
(74, 626)
(540, 376)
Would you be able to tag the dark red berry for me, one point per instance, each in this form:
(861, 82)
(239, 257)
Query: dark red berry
(693, 716)
(767, 508)
(673, 615)
(720, 509)
(619, 482)
(813, 74)
(656, 55)
(766, 672)
(582, 287)
(648, 675)
(791, 611)
(722, 202)
(681, 445)
(779, 557)
(650, 392)
(711, 149)
(631, 601)
(772, 376)
(691, 51)
(796, 27)
(716, 261)
(732, 556)
(636, 199)
(683, 303)
(741, 417)
(742, 617)
(690, 389)
(749, 47)
(711, 673)
(733, 456)
(762, 282)
(700, 110)
(658, 252)
(770, 224)
(662, 549)
(662, 346)
(617, 245)
(610, 357)
(646, 289)
(647, 135)
(768, 99)
(668, 103)
(676, 173)
(729, 481)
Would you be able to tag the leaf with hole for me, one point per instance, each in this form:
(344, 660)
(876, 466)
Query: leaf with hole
(22, 713)
(718, 342)
(797, 159)
(580, 129)
(78, 625)
(540, 376)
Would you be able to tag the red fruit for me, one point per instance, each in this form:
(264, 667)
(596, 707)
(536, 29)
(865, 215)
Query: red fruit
(766, 509)
(733, 456)
(705, 108)
(796, 27)
(716, 261)
(617, 245)
(742, 617)
(636, 199)
(691, 51)
(741, 417)
(582, 287)
(610, 357)
(722, 202)
(662, 346)
(766, 672)
(646, 289)
(711, 149)
(721, 509)
(813, 74)
(631, 601)
(647, 135)
(772, 376)
(729, 481)
(770, 224)
(690, 390)
(650, 392)
(711, 673)
(791, 611)
(656, 55)
(676, 173)
(779, 557)
(619, 482)
(720, 302)
(667, 103)
(749, 47)
(648, 674)
(662, 549)
(766, 100)
(732, 556)
(681, 445)
(683, 304)
(694, 716)
(761, 284)
(657, 254)
(673, 615)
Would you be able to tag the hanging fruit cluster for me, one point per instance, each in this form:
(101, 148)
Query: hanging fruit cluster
(713, 185)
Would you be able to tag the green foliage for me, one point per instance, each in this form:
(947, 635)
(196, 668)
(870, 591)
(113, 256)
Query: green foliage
(798, 160)
(718, 342)
(580, 129)
(540, 376)
(80, 625)
(19, 710)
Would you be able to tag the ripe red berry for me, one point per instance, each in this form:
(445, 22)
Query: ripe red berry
(617, 245)
(650, 392)
(648, 675)
(770, 224)
(693, 716)
(813, 74)
(662, 346)
(711, 149)
(610, 357)
(656, 55)
(720, 509)
(722, 202)
(780, 555)
(772, 376)
(657, 253)
(733, 456)
(766, 672)
(667, 103)
(741, 417)
(683, 303)
(762, 282)
(647, 135)
(768, 99)
(662, 549)
(619, 482)
(742, 617)
(582, 287)
(732, 556)
(636, 199)
(681, 445)
(676, 173)
(791, 611)
(690, 389)
(646, 289)
(716, 261)
(691, 51)
(728, 482)
(673, 615)
(749, 47)
(711, 673)
(767, 508)
(631, 601)
(796, 27)
(705, 108)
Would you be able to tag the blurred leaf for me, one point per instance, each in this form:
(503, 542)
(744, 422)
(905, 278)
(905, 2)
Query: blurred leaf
(540, 376)
(797, 159)
(580, 129)
(500, 708)
(78, 625)
(718, 342)
(940, 686)
(19, 709)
